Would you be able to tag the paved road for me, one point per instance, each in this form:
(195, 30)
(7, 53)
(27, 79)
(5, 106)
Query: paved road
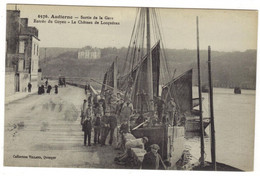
(45, 130)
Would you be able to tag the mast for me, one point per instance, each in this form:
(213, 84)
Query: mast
(149, 62)
(115, 75)
(212, 133)
(200, 102)
(45, 55)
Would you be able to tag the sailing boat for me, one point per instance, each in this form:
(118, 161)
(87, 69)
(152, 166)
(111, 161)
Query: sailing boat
(140, 80)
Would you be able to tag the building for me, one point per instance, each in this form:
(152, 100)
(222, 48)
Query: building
(22, 54)
(89, 53)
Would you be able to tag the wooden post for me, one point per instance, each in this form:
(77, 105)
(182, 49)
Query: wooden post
(149, 62)
(212, 129)
(200, 102)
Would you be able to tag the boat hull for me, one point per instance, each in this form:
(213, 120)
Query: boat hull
(170, 139)
(193, 125)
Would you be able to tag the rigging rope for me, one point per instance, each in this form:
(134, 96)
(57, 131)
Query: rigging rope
(137, 12)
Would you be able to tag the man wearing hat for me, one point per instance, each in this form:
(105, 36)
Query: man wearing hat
(171, 109)
(87, 125)
(160, 107)
(126, 112)
(113, 126)
(105, 127)
(83, 111)
(152, 159)
(102, 102)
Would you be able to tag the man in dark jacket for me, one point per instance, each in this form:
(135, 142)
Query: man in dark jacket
(105, 127)
(29, 87)
(49, 89)
(152, 159)
(42, 89)
(160, 107)
(113, 125)
(56, 89)
(103, 103)
(90, 99)
(87, 125)
(97, 122)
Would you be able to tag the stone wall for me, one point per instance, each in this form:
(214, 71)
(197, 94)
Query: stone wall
(24, 80)
(9, 83)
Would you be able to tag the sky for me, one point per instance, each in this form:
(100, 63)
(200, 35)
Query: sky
(224, 30)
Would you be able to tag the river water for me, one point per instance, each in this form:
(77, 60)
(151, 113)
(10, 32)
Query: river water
(234, 127)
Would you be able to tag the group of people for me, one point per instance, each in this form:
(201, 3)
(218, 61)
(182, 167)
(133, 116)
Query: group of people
(48, 87)
(110, 112)
(105, 113)
(94, 115)
(166, 111)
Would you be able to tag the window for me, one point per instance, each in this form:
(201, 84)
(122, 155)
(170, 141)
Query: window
(32, 66)
(21, 47)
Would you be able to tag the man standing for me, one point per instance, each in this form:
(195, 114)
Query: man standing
(83, 110)
(126, 112)
(171, 108)
(113, 125)
(90, 99)
(105, 126)
(86, 89)
(46, 82)
(160, 108)
(29, 87)
(103, 103)
(42, 89)
(152, 159)
(56, 89)
(97, 122)
(87, 125)
(49, 89)
(39, 90)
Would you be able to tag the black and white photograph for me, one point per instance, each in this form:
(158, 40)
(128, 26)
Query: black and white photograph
(139, 88)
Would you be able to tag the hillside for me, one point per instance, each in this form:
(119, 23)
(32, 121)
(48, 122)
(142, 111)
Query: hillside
(54, 52)
(229, 69)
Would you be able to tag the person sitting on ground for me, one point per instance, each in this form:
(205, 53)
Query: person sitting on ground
(135, 143)
(153, 159)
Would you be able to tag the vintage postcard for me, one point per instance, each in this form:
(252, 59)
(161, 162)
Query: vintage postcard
(130, 88)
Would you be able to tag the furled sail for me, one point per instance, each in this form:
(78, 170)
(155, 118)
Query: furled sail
(135, 83)
(180, 89)
(108, 81)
